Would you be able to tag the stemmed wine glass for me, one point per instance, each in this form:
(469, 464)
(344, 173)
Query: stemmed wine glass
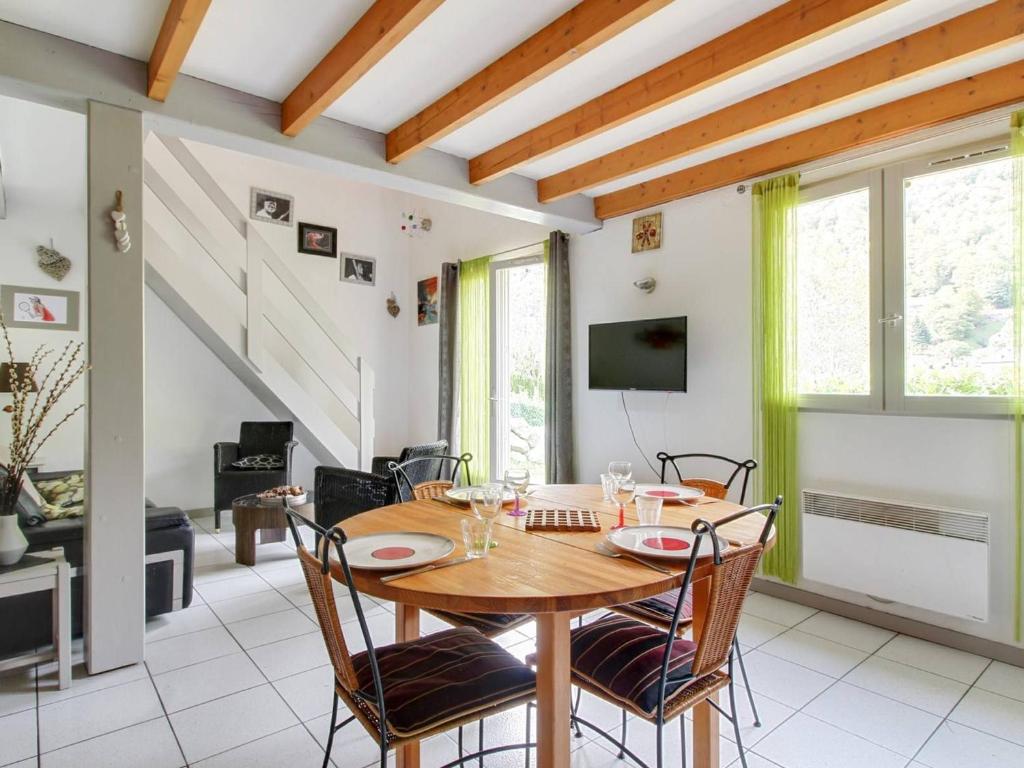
(518, 480)
(624, 492)
(620, 470)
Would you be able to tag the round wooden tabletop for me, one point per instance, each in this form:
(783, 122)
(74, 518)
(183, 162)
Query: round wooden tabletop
(531, 571)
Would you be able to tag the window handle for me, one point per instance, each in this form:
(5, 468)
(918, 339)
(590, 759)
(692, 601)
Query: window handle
(891, 320)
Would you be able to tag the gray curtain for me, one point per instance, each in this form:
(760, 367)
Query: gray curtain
(447, 379)
(559, 455)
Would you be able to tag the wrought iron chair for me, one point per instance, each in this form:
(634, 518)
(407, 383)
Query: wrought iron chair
(658, 675)
(417, 478)
(412, 690)
(710, 487)
(658, 610)
(489, 624)
(423, 471)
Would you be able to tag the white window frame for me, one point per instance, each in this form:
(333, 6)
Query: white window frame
(888, 334)
(499, 372)
(872, 181)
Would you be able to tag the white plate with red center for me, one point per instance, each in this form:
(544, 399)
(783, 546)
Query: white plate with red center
(399, 549)
(669, 493)
(664, 541)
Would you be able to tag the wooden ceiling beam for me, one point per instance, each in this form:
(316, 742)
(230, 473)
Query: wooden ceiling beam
(181, 23)
(760, 40)
(990, 90)
(984, 29)
(384, 25)
(574, 33)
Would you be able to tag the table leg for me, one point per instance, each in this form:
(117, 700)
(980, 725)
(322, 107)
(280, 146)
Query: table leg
(553, 690)
(62, 624)
(407, 627)
(245, 543)
(271, 535)
(705, 717)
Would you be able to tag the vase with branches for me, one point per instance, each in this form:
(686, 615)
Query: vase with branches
(36, 390)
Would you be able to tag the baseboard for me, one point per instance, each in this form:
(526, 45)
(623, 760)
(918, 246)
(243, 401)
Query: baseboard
(991, 649)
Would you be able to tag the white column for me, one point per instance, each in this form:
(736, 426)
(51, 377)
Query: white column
(115, 524)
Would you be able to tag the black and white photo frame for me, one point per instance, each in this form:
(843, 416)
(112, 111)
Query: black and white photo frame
(361, 270)
(271, 207)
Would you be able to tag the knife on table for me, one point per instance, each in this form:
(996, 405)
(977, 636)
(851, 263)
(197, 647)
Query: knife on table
(424, 569)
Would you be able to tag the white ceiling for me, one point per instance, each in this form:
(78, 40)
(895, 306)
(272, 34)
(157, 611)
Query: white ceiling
(266, 47)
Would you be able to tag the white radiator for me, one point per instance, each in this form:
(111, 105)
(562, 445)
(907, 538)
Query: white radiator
(894, 552)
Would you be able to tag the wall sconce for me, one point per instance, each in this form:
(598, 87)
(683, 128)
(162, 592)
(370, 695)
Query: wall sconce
(646, 284)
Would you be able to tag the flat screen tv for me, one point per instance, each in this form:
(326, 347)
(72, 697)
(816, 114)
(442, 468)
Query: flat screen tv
(642, 354)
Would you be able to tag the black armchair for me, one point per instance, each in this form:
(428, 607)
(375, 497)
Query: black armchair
(427, 470)
(340, 493)
(255, 438)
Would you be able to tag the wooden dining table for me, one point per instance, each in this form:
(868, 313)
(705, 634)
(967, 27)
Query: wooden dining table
(555, 576)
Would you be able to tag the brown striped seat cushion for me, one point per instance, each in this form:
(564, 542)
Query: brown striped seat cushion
(661, 607)
(442, 677)
(623, 657)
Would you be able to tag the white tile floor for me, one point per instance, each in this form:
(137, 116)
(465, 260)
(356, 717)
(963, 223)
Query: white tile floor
(241, 680)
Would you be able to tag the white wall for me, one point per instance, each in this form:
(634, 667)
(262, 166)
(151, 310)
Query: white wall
(187, 416)
(193, 401)
(44, 163)
(703, 271)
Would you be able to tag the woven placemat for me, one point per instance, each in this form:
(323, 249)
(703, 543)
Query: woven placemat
(562, 520)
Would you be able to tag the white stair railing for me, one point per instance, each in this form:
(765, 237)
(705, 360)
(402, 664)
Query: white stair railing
(201, 246)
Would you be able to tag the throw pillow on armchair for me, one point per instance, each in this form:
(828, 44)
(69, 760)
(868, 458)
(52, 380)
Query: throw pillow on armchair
(260, 461)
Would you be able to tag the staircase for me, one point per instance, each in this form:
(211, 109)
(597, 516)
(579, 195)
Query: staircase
(214, 270)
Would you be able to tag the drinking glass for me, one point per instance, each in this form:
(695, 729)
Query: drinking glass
(648, 510)
(486, 501)
(620, 470)
(518, 480)
(623, 493)
(476, 536)
(607, 484)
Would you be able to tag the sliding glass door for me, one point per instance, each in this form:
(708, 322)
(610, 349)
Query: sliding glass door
(517, 366)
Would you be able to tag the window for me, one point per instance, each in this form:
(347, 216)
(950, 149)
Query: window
(833, 286)
(958, 274)
(904, 287)
(518, 328)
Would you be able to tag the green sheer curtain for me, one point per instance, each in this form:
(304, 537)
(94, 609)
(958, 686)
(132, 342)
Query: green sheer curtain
(775, 382)
(1017, 152)
(475, 365)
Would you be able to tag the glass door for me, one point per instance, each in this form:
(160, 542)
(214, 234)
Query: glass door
(517, 374)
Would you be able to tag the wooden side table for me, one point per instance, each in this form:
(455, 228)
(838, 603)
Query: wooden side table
(250, 517)
(39, 572)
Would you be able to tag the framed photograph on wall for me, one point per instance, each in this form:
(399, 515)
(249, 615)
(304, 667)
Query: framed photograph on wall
(317, 240)
(426, 301)
(272, 207)
(26, 307)
(358, 269)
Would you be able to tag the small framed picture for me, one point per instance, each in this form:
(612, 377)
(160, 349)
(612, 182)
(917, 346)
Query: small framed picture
(317, 240)
(272, 207)
(358, 269)
(647, 233)
(426, 301)
(26, 307)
